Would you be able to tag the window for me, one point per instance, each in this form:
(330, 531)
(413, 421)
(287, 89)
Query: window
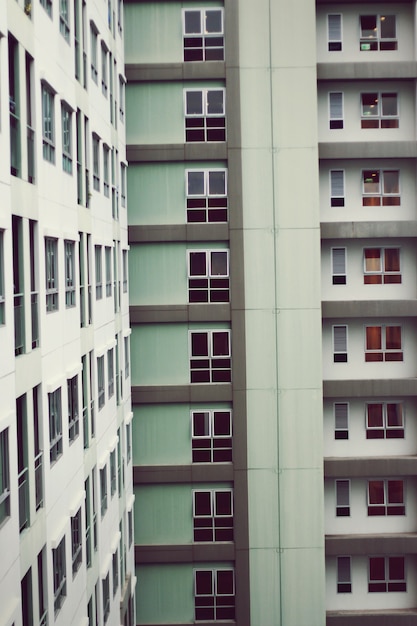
(112, 473)
(47, 5)
(206, 192)
(106, 598)
(127, 356)
(203, 35)
(122, 94)
(60, 576)
(214, 594)
(2, 290)
(378, 32)
(342, 498)
(130, 527)
(55, 425)
(341, 420)
(128, 442)
(76, 542)
(334, 32)
(386, 497)
(48, 125)
(115, 572)
(383, 343)
(386, 573)
(210, 360)
(213, 515)
(125, 270)
(107, 259)
(205, 115)
(69, 273)
(100, 381)
(73, 413)
(340, 344)
(381, 187)
(4, 476)
(384, 420)
(110, 372)
(42, 588)
(208, 272)
(103, 490)
(66, 119)
(106, 180)
(379, 110)
(64, 28)
(336, 110)
(123, 184)
(382, 265)
(96, 162)
(211, 433)
(104, 69)
(93, 51)
(99, 272)
(337, 188)
(344, 580)
(339, 266)
(51, 273)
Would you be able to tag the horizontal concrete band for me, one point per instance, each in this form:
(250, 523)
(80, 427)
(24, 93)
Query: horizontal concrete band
(364, 230)
(399, 617)
(180, 313)
(153, 153)
(369, 308)
(160, 394)
(366, 388)
(371, 466)
(367, 150)
(166, 474)
(156, 233)
(187, 553)
(367, 70)
(398, 543)
(197, 70)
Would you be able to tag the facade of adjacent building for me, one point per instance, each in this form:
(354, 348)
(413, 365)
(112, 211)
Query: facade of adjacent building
(256, 133)
(66, 498)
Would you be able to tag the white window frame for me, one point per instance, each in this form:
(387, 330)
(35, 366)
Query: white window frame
(59, 575)
(106, 597)
(388, 584)
(98, 267)
(48, 123)
(386, 507)
(341, 420)
(377, 118)
(211, 446)
(103, 491)
(101, 397)
(220, 610)
(376, 41)
(208, 287)
(113, 473)
(342, 497)
(2, 289)
(373, 197)
(340, 353)
(4, 476)
(386, 354)
(108, 268)
(69, 249)
(51, 274)
(206, 132)
(213, 526)
(381, 275)
(344, 574)
(110, 372)
(336, 117)
(96, 161)
(76, 542)
(337, 188)
(93, 51)
(66, 129)
(334, 32)
(339, 258)
(210, 206)
(64, 19)
(55, 425)
(385, 431)
(214, 372)
(203, 50)
(73, 408)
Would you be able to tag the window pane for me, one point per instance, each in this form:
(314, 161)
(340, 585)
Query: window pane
(376, 491)
(217, 183)
(341, 415)
(391, 182)
(339, 338)
(394, 415)
(392, 260)
(202, 503)
(395, 491)
(195, 184)
(369, 104)
(201, 424)
(225, 582)
(377, 568)
(223, 502)
(368, 26)
(389, 104)
(213, 21)
(372, 260)
(199, 344)
(221, 344)
(203, 582)
(393, 337)
(215, 102)
(396, 568)
(336, 105)
(374, 415)
(373, 338)
(342, 492)
(371, 181)
(219, 264)
(388, 30)
(194, 101)
(198, 264)
(343, 569)
(192, 22)
(222, 423)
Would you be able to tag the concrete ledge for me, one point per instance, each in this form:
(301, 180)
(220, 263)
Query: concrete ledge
(156, 233)
(188, 553)
(160, 394)
(399, 617)
(152, 153)
(365, 388)
(398, 543)
(154, 314)
(363, 230)
(196, 70)
(367, 69)
(193, 473)
(367, 150)
(368, 308)
(352, 467)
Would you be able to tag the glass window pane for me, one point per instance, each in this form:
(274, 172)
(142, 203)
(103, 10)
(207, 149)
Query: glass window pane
(199, 344)
(368, 26)
(219, 264)
(194, 100)
(391, 182)
(377, 568)
(202, 503)
(343, 569)
(192, 21)
(394, 415)
(372, 260)
(373, 338)
(195, 186)
(374, 415)
(203, 582)
(395, 491)
(221, 344)
(376, 491)
(389, 104)
(393, 337)
(222, 423)
(225, 582)
(201, 424)
(198, 264)
(371, 181)
(215, 105)
(388, 30)
(392, 260)
(217, 183)
(213, 21)
(223, 502)
(396, 568)
(369, 104)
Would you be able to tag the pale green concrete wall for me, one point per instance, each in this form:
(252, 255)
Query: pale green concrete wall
(283, 320)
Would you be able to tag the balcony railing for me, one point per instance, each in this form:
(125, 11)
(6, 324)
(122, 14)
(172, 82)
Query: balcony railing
(39, 480)
(34, 308)
(19, 324)
(31, 154)
(23, 482)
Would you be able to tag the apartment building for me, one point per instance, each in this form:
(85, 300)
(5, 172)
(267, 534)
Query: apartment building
(262, 363)
(66, 498)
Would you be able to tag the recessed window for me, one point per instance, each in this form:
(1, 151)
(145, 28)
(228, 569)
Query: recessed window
(378, 32)
(208, 276)
(48, 124)
(379, 110)
(341, 420)
(103, 490)
(51, 273)
(336, 110)
(104, 69)
(383, 343)
(210, 356)
(339, 266)
(93, 51)
(386, 573)
(203, 35)
(110, 372)
(211, 433)
(337, 188)
(342, 498)
(107, 259)
(96, 162)
(381, 187)
(99, 272)
(73, 410)
(106, 171)
(59, 575)
(76, 542)
(4, 476)
(100, 382)
(344, 580)
(47, 5)
(69, 247)
(205, 115)
(55, 425)
(66, 122)
(106, 598)
(340, 344)
(386, 497)
(2, 290)
(64, 27)
(206, 195)
(384, 420)
(214, 594)
(334, 32)
(213, 515)
(382, 266)
(112, 473)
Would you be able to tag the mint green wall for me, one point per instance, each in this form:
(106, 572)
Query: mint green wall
(155, 111)
(157, 193)
(160, 354)
(161, 434)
